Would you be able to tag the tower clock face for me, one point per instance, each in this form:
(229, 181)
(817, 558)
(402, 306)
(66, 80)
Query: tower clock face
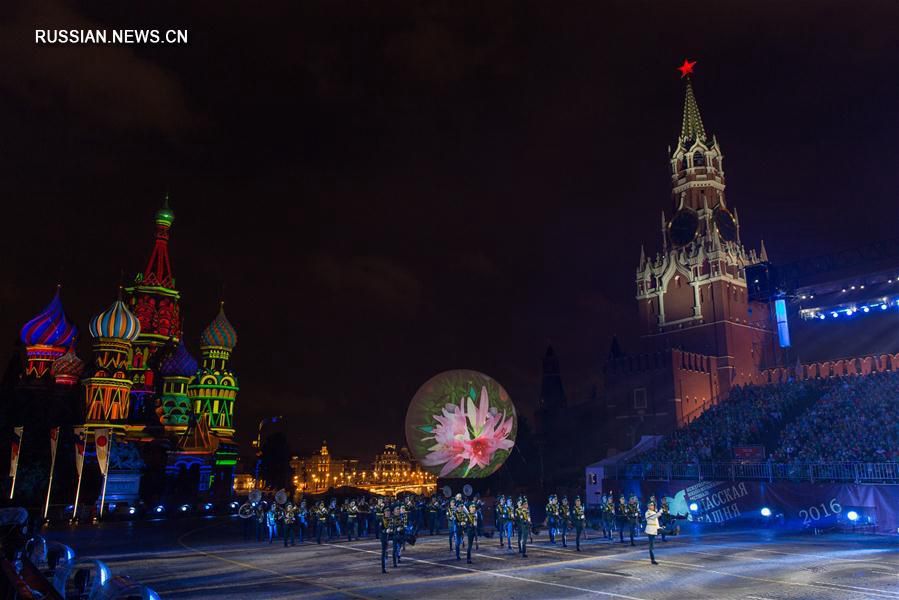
(683, 227)
(725, 223)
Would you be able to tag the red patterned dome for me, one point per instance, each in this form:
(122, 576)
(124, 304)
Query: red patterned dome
(67, 368)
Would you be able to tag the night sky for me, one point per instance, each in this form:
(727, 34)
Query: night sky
(385, 190)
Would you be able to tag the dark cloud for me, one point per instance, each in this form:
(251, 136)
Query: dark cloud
(93, 85)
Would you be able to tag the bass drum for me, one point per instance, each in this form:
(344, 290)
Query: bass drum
(255, 496)
(281, 497)
(467, 489)
(246, 511)
(447, 491)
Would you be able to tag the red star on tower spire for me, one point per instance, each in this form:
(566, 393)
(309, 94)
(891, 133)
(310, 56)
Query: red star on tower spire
(686, 68)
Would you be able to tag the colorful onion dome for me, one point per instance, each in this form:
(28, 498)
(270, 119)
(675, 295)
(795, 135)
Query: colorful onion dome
(115, 322)
(179, 363)
(220, 332)
(67, 366)
(50, 327)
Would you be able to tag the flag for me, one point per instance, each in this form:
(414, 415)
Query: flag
(16, 444)
(54, 441)
(79, 448)
(102, 440)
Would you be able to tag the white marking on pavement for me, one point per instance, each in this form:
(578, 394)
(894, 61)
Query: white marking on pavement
(505, 576)
(606, 573)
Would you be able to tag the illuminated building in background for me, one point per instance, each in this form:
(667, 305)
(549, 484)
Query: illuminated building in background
(321, 471)
(393, 471)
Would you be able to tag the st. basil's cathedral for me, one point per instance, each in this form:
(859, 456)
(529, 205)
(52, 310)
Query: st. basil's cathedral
(142, 383)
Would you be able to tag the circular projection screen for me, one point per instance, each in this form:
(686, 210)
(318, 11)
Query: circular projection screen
(461, 424)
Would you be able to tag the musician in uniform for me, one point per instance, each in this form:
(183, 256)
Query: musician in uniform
(509, 520)
(333, 519)
(498, 517)
(579, 516)
(400, 520)
(460, 517)
(633, 517)
(302, 520)
(364, 514)
(260, 520)
(479, 504)
(621, 517)
(384, 529)
(352, 526)
(321, 520)
(564, 520)
(378, 512)
(451, 521)
(433, 515)
(523, 522)
(471, 529)
(290, 523)
(608, 516)
(271, 522)
(552, 517)
(652, 528)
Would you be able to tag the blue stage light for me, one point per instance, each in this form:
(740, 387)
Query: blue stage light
(694, 507)
(883, 307)
(848, 311)
(834, 315)
(131, 510)
(159, 509)
(185, 507)
(852, 516)
(766, 512)
(207, 506)
(866, 309)
(234, 506)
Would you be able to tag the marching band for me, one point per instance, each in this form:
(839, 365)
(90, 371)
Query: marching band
(397, 522)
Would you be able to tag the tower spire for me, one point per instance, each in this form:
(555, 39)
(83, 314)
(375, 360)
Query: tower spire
(692, 128)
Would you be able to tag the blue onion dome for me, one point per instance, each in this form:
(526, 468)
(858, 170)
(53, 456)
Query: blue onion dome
(115, 322)
(179, 363)
(50, 327)
(220, 333)
(67, 365)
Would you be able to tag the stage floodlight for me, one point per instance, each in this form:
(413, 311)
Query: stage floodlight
(852, 516)
(766, 512)
(694, 507)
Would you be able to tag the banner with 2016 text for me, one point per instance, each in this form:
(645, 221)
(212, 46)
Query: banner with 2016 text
(803, 505)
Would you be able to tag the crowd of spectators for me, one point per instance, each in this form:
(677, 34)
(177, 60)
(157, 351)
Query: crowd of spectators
(858, 420)
(751, 415)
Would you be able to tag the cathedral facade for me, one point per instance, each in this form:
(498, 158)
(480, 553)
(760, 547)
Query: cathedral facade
(141, 383)
(700, 333)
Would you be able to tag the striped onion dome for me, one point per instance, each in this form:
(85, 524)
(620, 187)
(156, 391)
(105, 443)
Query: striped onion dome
(220, 332)
(67, 365)
(115, 322)
(50, 327)
(179, 363)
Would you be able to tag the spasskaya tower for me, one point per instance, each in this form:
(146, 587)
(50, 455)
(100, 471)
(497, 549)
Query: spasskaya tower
(695, 315)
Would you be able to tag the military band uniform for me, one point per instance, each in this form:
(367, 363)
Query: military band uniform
(509, 521)
(523, 522)
(321, 521)
(498, 516)
(633, 518)
(352, 521)
(383, 527)
(399, 534)
(621, 517)
(608, 517)
(580, 521)
(552, 518)
(433, 515)
(451, 522)
(290, 523)
(564, 520)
